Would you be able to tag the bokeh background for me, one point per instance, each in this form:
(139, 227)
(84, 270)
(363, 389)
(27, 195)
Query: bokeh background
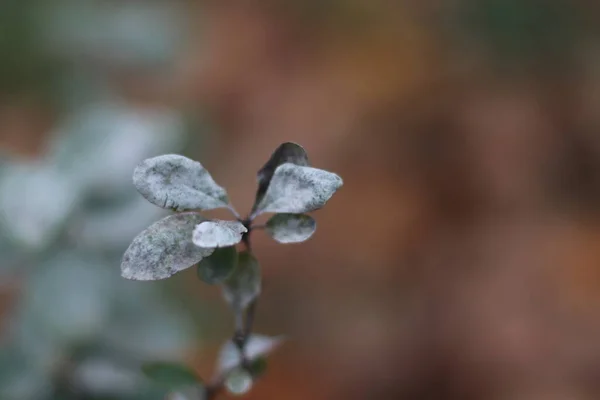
(461, 260)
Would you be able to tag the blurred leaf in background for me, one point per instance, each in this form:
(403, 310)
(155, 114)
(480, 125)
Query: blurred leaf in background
(75, 328)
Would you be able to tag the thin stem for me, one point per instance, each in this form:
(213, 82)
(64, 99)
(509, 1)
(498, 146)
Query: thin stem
(250, 315)
(243, 323)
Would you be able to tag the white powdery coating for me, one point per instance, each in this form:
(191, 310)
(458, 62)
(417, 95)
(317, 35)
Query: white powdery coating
(291, 228)
(176, 182)
(297, 189)
(210, 234)
(257, 346)
(164, 249)
(286, 153)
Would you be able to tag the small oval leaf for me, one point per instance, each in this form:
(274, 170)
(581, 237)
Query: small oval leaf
(238, 382)
(286, 153)
(291, 228)
(298, 189)
(216, 268)
(175, 182)
(257, 347)
(164, 249)
(244, 285)
(170, 375)
(210, 234)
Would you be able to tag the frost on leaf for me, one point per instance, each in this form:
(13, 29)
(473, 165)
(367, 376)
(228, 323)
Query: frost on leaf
(178, 183)
(298, 189)
(286, 153)
(244, 285)
(291, 228)
(219, 266)
(218, 233)
(238, 382)
(257, 346)
(164, 249)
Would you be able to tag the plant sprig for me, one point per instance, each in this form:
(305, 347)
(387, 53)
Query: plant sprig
(287, 186)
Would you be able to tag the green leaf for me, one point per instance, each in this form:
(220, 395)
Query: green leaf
(216, 268)
(257, 347)
(298, 189)
(286, 153)
(238, 382)
(171, 375)
(176, 182)
(244, 285)
(258, 367)
(164, 249)
(291, 228)
(218, 233)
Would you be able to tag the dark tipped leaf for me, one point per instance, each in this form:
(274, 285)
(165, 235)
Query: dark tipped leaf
(210, 234)
(176, 182)
(244, 285)
(257, 347)
(218, 266)
(285, 153)
(297, 189)
(238, 382)
(170, 375)
(291, 228)
(164, 249)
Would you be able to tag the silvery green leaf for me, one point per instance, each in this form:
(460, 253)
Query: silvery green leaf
(176, 182)
(244, 285)
(238, 382)
(298, 189)
(100, 145)
(217, 267)
(291, 228)
(164, 249)
(36, 200)
(257, 346)
(286, 153)
(218, 233)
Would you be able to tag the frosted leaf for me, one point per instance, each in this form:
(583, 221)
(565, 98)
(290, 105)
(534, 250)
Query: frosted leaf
(217, 267)
(176, 182)
(238, 382)
(218, 233)
(257, 346)
(244, 285)
(285, 153)
(299, 189)
(291, 228)
(164, 249)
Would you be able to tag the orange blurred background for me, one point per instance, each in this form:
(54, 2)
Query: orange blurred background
(461, 259)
